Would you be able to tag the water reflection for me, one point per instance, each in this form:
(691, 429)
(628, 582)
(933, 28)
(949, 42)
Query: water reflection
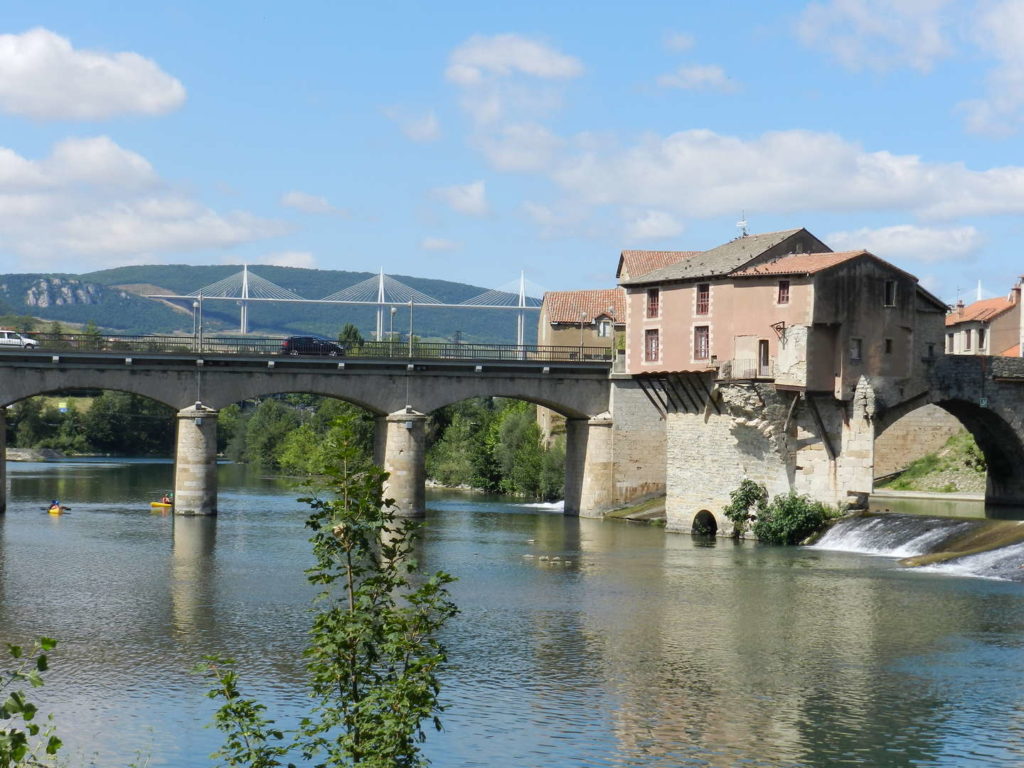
(579, 642)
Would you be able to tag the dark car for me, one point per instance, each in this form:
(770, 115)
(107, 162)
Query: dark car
(311, 345)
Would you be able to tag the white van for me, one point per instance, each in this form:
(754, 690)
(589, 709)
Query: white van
(15, 339)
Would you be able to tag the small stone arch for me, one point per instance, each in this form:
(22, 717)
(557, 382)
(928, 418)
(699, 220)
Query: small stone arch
(704, 524)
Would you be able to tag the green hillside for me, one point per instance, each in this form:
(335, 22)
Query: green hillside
(112, 298)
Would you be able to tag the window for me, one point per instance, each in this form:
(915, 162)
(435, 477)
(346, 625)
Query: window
(651, 349)
(703, 298)
(890, 293)
(783, 291)
(856, 350)
(888, 346)
(653, 302)
(701, 342)
(967, 338)
(950, 343)
(981, 339)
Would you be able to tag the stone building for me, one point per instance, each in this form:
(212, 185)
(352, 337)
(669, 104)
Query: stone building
(769, 357)
(986, 327)
(586, 319)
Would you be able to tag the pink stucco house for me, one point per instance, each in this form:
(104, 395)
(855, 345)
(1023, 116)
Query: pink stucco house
(778, 306)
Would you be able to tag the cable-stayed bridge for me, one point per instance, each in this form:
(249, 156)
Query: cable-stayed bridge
(383, 291)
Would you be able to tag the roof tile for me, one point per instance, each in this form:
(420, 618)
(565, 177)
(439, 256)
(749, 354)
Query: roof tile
(980, 311)
(799, 264)
(568, 306)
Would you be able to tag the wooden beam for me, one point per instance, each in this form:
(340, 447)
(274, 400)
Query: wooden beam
(821, 427)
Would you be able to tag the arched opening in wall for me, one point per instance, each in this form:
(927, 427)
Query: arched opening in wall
(498, 445)
(704, 524)
(921, 433)
(982, 453)
(91, 421)
(294, 433)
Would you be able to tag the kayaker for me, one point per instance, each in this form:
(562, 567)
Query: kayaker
(166, 499)
(54, 505)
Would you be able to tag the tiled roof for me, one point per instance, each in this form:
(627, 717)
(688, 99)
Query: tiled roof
(636, 264)
(980, 311)
(1011, 352)
(718, 261)
(569, 306)
(799, 264)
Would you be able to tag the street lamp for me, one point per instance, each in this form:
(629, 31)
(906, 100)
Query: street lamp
(583, 319)
(391, 330)
(410, 327)
(195, 325)
(200, 323)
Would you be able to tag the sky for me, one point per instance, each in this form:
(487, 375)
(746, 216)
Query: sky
(475, 141)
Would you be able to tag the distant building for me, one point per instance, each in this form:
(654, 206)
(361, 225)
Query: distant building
(581, 318)
(778, 306)
(986, 327)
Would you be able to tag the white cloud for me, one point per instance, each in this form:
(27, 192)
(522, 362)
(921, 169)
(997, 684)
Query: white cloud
(701, 173)
(42, 76)
(699, 78)
(999, 32)
(480, 57)
(301, 201)
(908, 242)
(520, 147)
(504, 74)
(93, 198)
(879, 34)
(303, 259)
(470, 199)
(678, 41)
(439, 244)
(421, 128)
(653, 225)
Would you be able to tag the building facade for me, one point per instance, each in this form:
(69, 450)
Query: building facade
(986, 327)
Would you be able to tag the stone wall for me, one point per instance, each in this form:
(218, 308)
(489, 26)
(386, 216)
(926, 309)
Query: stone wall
(820, 447)
(638, 443)
(918, 433)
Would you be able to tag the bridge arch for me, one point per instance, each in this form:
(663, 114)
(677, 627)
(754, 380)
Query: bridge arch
(994, 432)
(20, 387)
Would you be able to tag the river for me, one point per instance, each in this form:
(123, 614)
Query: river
(580, 643)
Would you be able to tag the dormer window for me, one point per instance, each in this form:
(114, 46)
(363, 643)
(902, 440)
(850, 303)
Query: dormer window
(703, 298)
(604, 327)
(783, 292)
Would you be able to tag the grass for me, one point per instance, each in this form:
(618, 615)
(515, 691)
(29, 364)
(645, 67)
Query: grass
(959, 456)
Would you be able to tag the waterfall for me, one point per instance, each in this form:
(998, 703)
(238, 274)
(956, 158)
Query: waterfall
(892, 535)
(900, 536)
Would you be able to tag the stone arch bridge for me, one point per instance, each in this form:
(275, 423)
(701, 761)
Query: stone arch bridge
(401, 393)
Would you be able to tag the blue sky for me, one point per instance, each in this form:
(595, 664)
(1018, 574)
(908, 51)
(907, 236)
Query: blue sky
(468, 141)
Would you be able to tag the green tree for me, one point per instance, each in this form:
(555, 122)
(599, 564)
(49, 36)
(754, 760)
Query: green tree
(23, 741)
(27, 423)
(267, 430)
(350, 337)
(374, 653)
(122, 423)
(92, 338)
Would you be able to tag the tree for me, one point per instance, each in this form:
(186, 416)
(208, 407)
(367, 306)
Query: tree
(350, 337)
(374, 653)
(93, 339)
(26, 743)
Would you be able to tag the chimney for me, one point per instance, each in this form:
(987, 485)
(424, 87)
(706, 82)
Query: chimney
(959, 307)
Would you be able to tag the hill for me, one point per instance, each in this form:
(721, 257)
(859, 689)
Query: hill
(116, 300)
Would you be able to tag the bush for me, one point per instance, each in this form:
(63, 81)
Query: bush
(748, 495)
(791, 518)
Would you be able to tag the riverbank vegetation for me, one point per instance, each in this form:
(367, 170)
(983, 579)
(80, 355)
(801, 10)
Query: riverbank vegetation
(785, 519)
(489, 444)
(958, 467)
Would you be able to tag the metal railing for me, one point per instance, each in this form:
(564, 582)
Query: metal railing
(741, 369)
(267, 346)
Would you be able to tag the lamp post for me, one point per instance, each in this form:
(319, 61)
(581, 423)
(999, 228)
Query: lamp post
(200, 334)
(410, 327)
(391, 330)
(195, 326)
(583, 319)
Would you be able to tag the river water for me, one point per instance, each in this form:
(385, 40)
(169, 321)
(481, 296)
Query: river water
(580, 643)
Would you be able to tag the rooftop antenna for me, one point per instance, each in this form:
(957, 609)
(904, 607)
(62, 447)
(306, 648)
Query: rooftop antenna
(742, 224)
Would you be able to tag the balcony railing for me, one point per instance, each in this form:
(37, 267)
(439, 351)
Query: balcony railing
(267, 346)
(739, 369)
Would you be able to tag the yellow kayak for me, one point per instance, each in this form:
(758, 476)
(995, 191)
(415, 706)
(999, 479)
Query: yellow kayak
(57, 509)
(160, 504)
